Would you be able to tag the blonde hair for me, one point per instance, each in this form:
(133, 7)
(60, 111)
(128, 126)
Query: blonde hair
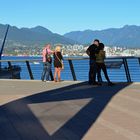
(58, 48)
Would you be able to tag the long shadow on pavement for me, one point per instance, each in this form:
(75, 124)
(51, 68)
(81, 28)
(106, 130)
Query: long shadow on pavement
(18, 121)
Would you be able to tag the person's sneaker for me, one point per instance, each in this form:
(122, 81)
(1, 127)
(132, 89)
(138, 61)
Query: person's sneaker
(96, 84)
(111, 84)
(89, 83)
(100, 84)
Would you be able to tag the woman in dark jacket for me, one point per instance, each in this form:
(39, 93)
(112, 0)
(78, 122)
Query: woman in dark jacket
(58, 63)
(100, 57)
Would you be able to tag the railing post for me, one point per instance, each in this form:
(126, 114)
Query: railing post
(10, 68)
(127, 70)
(9, 64)
(29, 70)
(51, 75)
(72, 70)
(139, 60)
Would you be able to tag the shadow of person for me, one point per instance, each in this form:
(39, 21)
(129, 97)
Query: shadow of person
(19, 122)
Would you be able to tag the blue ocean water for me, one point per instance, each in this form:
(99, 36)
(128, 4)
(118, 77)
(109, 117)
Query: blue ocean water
(81, 69)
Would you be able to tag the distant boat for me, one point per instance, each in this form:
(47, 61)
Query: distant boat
(36, 63)
(12, 71)
(66, 55)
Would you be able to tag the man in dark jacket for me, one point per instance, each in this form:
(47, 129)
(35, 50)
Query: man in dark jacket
(91, 51)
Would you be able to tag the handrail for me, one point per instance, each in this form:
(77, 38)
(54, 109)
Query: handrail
(70, 59)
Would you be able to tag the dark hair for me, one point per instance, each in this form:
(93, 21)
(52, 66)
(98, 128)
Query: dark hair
(97, 40)
(101, 46)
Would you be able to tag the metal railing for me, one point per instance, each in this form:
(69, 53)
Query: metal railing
(72, 67)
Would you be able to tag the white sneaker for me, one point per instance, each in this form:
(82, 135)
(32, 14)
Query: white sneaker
(43, 80)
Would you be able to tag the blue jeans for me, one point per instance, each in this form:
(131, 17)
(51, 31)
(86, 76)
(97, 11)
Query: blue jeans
(46, 71)
(92, 71)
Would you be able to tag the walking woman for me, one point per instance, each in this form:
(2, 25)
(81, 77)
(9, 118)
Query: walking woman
(47, 61)
(58, 63)
(100, 57)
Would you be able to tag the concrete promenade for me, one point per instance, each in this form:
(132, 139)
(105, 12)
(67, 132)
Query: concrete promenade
(35, 110)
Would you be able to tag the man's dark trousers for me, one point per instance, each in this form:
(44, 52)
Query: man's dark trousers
(92, 71)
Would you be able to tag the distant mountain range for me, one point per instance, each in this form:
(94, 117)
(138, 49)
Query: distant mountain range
(30, 36)
(127, 36)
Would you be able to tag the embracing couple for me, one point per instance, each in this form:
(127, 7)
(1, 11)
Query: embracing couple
(97, 56)
(47, 63)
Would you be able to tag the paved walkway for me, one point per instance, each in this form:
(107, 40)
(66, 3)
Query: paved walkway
(34, 110)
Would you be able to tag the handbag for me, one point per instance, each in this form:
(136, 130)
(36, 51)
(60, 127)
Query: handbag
(61, 61)
(62, 65)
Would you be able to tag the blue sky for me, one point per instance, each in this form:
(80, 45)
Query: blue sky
(62, 16)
